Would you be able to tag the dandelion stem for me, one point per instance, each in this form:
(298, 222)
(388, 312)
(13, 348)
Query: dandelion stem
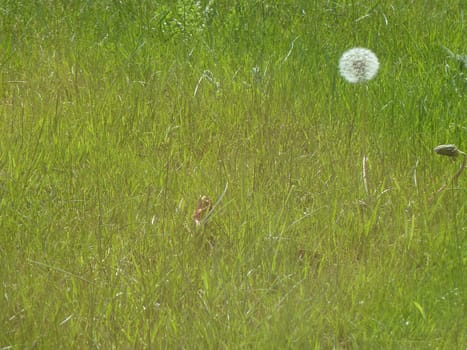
(365, 158)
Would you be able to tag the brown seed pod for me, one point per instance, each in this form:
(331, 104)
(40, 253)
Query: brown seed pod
(448, 150)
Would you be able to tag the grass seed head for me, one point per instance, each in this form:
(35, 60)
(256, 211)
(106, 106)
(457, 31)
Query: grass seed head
(358, 65)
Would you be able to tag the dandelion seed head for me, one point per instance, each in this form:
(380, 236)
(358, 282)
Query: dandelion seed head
(358, 65)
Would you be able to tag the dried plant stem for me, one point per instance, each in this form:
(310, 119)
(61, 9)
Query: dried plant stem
(461, 169)
(456, 175)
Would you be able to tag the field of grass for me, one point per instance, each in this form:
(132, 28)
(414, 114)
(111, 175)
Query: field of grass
(116, 116)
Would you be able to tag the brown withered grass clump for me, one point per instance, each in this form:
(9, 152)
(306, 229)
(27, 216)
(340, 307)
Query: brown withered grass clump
(203, 207)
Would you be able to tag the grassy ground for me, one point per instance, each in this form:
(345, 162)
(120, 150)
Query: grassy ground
(116, 116)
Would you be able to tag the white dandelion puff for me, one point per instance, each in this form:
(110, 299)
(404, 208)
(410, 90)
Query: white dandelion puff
(358, 65)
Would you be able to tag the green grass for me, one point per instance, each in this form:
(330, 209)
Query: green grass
(116, 116)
